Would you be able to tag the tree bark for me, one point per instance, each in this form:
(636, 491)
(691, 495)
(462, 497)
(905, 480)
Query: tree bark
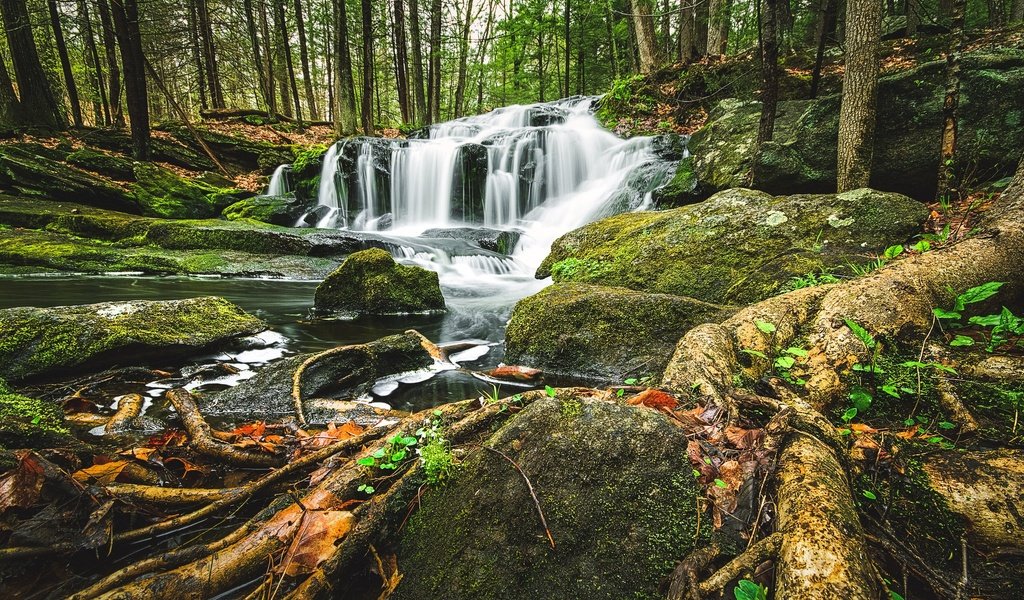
(687, 33)
(304, 59)
(113, 69)
(419, 101)
(769, 72)
(270, 60)
(94, 60)
(345, 97)
(826, 11)
(126, 27)
(209, 54)
(609, 22)
(913, 10)
(643, 24)
(36, 98)
(65, 63)
(434, 86)
(460, 88)
(254, 43)
(1017, 12)
(860, 91)
(568, 47)
(402, 64)
(9, 104)
(701, 17)
(718, 27)
(197, 54)
(289, 87)
(367, 44)
(948, 185)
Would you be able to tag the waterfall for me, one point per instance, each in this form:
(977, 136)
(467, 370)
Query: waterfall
(279, 181)
(541, 169)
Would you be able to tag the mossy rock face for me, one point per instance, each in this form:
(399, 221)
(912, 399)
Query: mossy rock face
(615, 486)
(29, 423)
(802, 156)
(109, 165)
(371, 282)
(163, 193)
(737, 247)
(495, 240)
(198, 235)
(597, 332)
(270, 392)
(278, 210)
(31, 174)
(66, 339)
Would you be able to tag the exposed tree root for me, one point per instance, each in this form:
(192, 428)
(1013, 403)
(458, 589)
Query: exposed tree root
(128, 409)
(203, 441)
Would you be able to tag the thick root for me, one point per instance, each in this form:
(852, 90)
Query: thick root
(203, 440)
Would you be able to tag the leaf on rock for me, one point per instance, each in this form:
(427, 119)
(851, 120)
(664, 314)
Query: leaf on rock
(315, 540)
(103, 473)
(515, 373)
(656, 399)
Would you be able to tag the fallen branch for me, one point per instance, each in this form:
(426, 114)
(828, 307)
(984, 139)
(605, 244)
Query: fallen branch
(128, 409)
(533, 494)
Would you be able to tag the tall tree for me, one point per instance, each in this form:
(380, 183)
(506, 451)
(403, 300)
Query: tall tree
(94, 60)
(687, 33)
(860, 90)
(643, 24)
(1017, 11)
(405, 104)
(36, 97)
(460, 87)
(198, 53)
(345, 96)
(129, 38)
(113, 70)
(947, 180)
(568, 46)
(825, 17)
(289, 88)
(718, 26)
(9, 104)
(434, 85)
(417, 63)
(65, 62)
(769, 71)
(209, 54)
(254, 43)
(270, 61)
(701, 19)
(304, 59)
(367, 96)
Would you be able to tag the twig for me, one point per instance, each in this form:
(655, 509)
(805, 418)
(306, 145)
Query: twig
(529, 485)
(920, 358)
(203, 440)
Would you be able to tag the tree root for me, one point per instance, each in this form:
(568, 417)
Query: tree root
(128, 409)
(762, 550)
(201, 436)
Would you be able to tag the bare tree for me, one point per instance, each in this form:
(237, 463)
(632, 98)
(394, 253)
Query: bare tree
(860, 91)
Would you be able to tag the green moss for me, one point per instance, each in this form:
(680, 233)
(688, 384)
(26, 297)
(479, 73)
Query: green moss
(110, 165)
(279, 210)
(371, 282)
(680, 189)
(34, 341)
(27, 422)
(163, 193)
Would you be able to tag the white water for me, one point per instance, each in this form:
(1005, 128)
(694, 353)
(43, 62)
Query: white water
(279, 181)
(540, 180)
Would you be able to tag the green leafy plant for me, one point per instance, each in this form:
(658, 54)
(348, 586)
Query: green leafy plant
(782, 360)
(435, 452)
(880, 261)
(811, 279)
(748, 590)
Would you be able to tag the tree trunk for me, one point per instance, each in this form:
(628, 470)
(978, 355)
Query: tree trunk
(9, 104)
(367, 45)
(419, 101)
(209, 54)
(687, 33)
(701, 27)
(460, 89)
(913, 11)
(254, 43)
(948, 186)
(113, 70)
(94, 60)
(434, 87)
(826, 10)
(65, 63)
(289, 88)
(718, 27)
(197, 54)
(568, 47)
(345, 97)
(643, 24)
(609, 22)
(1017, 12)
(402, 64)
(270, 64)
(304, 58)
(40, 107)
(860, 90)
(126, 27)
(769, 71)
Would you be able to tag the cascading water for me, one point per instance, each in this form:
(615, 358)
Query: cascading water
(541, 169)
(279, 181)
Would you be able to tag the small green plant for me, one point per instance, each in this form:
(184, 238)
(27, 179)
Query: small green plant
(880, 261)
(550, 391)
(782, 360)
(811, 279)
(748, 590)
(491, 397)
(435, 452)
(388, 457)
(1002, 327)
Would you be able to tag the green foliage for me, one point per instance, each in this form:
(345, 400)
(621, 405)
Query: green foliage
(435, 452)
(1003, 327)
(748, 590)
(811, 279)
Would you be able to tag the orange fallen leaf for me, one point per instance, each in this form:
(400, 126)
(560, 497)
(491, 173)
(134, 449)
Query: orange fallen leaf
(743, 439)
(20, 487)
(145, 454)
(908, 434)
(652, 398)
(315, 540)
(515, 372)
(103, 474)
(862, 428)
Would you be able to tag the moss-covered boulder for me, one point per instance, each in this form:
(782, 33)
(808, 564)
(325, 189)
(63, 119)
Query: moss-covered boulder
(37, 341)
(617, 492)
(597, 332)
(371, 282)
(163, 193)
(337, 375)
(802, 155)
(106, 164)
(28, 422)
(737, 247)
(278, 210)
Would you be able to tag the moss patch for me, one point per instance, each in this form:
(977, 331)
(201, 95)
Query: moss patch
(371, 282)
(162, 193)
(27, 422)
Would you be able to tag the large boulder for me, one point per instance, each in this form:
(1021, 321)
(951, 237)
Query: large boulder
(345, 374)
(29, 423)
(615, 486)
(802, 155)
(371, 282)
(278, 210)
(606, 333)
(64, 339)
(30, 170)
(495, 240)
(163, 193)
(737, 247)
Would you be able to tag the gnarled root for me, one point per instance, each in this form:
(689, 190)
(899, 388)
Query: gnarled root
(202, 437)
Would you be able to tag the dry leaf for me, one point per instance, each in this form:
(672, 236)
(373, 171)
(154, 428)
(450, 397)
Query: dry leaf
(743, 439)
(20, 487)
(515, 372)
(103, 474)
(315, 540)
(653, 398)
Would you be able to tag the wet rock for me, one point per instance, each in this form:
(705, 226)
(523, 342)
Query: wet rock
(69, 339)
(739, 246)
(615, 486)
(277, 210)
(110, 165)
(28, 422)
(598, 332)
(27, 172)
(163, 193)
(469, 183)
(495, 240)
(336, 375)
(371, 282)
